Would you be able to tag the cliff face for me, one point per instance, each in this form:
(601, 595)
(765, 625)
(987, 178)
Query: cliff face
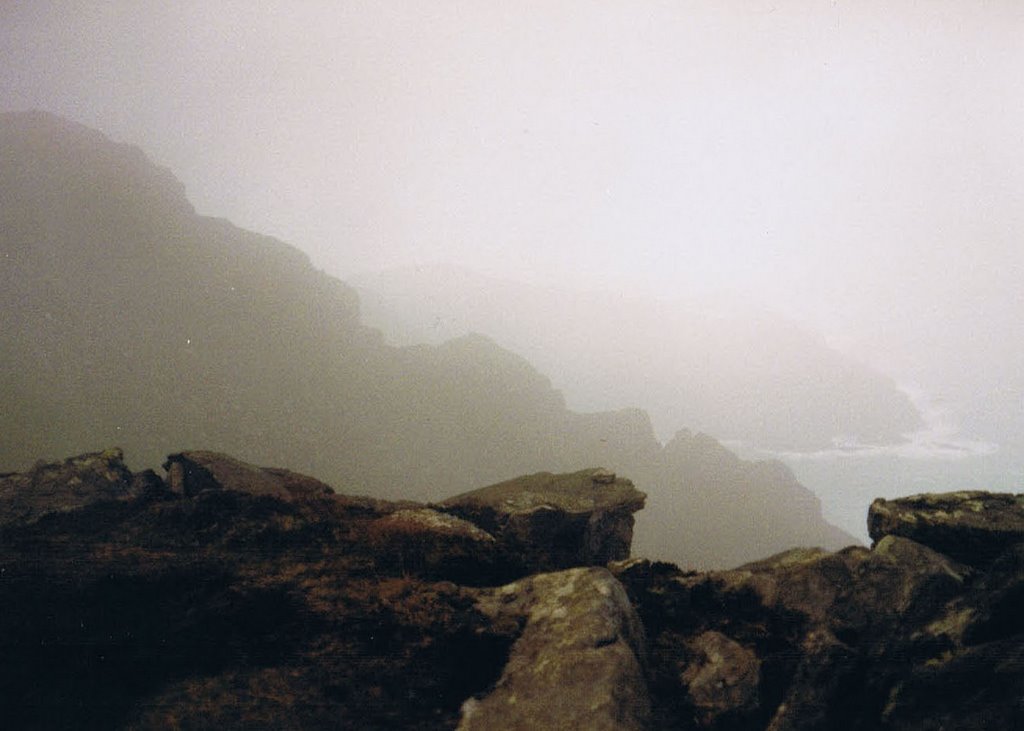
(228, 595)
(127, 319)
(718, 510)
(744, 375)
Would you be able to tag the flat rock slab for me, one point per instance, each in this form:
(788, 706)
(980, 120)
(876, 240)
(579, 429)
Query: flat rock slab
(575, 492)
(972, 527)
(550, 522)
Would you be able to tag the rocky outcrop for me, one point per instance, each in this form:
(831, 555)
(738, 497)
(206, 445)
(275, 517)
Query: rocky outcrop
(548, 522)
(974, 527)
(576, 663)
(229, 595)
(900, 636)
(191, 473)
(69, 485)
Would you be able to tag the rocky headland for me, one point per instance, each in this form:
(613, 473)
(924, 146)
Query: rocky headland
(224, 595)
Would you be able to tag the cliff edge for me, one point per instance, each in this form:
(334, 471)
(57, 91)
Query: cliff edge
(223, 594)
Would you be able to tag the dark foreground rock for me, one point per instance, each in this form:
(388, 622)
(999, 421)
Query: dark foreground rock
(232, 596)
(190, 473)
(896, 637)
(975, 527)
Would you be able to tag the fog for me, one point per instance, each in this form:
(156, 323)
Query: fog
(857, 168)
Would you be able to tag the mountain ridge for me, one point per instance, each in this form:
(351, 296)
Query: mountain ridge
(738, 372)
(133, 322)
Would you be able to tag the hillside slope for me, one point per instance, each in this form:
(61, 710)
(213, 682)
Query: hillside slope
(127, 319)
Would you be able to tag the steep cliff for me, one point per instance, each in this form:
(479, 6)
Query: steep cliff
(125, 318)
(738, 373)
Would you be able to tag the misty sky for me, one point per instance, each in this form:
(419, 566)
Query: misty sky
(858, 165)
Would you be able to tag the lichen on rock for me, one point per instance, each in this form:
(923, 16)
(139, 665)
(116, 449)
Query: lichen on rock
(550, 522)
(971, 526)
(577, 662)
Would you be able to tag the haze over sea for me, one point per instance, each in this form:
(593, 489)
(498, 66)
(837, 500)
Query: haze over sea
(936, 458)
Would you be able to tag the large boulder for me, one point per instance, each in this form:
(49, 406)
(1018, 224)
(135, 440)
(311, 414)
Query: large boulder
(973, 527)
(550, 522)
(976, 679)
(576, 664)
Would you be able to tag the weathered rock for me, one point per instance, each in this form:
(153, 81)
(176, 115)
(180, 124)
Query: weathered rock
(549, 522)
(223, 608)
(825, 668)
(722, 679)
(190, 473)
(148, 483)
(972, 527)
(577, 663)
(783, 643)
(426, 542)
(997, 610)
(973, 674)
(255, 597)
(979, 687)
(68, 485)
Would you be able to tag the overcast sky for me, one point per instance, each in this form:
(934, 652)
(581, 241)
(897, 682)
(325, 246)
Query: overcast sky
(859, 165)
